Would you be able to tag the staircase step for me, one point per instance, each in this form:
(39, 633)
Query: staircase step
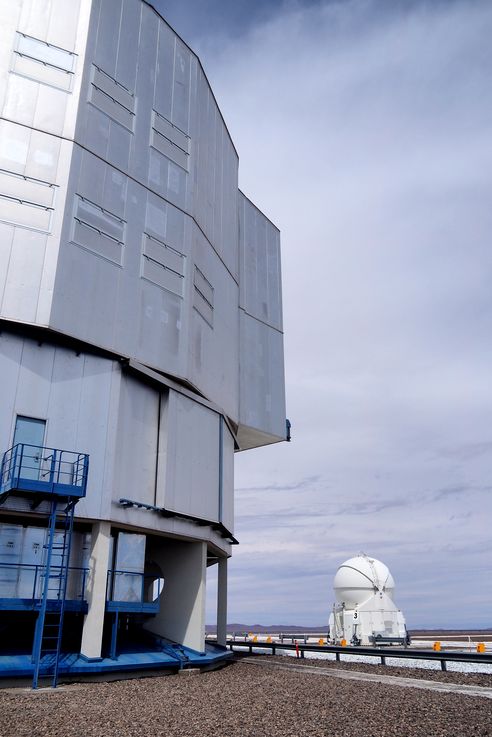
(54, 582)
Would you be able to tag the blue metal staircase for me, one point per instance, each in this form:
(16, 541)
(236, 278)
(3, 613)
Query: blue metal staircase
(59, 477)
(49, 625)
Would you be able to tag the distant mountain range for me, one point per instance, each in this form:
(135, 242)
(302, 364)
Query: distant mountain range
(267, 629)
(240, 629)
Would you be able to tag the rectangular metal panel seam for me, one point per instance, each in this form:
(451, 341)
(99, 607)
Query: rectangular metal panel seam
(141, 369)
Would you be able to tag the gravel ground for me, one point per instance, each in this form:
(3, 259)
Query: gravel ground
(242, 700)
(472, 679)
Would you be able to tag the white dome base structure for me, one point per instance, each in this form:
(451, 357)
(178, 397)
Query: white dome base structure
(364, 612)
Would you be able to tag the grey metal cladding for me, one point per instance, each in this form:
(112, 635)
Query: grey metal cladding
(181, 149)
(262, 389)
(181, 89)
(124, 184)
(259, 253)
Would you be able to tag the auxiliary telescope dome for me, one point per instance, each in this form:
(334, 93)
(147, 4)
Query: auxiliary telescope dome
(359, 577)
(364, 612)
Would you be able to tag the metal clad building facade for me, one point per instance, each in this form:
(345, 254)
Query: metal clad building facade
(140, 293)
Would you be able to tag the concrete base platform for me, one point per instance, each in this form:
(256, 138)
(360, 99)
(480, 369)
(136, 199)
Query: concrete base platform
(168, 657)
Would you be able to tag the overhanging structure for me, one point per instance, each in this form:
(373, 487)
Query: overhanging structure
(141, 323)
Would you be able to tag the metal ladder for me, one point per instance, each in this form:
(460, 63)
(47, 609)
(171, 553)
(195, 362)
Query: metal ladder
(49, 626)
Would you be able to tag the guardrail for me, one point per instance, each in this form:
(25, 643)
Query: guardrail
(35, 468)
(129, 587)
(281, 636)
(301, 648)
(25, 581)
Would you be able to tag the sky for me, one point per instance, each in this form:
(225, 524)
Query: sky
(364, 132)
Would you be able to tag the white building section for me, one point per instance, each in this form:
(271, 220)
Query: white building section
(364, 612)
(140, 309)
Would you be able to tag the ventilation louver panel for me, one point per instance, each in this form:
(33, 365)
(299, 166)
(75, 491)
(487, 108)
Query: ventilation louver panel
(98, 230)
(163, 265)
(112, 98)
(203, 297)
(43, 62)
(170, 141)
(26, 201)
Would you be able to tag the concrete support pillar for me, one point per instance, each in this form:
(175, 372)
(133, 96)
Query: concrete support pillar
(222, 602)
(182, 604)
(96, 591)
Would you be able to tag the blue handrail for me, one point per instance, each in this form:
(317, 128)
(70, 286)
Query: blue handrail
(141, 596)
(38, 571)
(35, 468)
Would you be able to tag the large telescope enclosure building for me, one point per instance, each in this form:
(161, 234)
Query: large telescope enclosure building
(141, 339)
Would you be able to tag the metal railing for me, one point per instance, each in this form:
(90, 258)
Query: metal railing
(34, 468)
(442, 656)
(25, 581)
(280, 637)
(131, 587)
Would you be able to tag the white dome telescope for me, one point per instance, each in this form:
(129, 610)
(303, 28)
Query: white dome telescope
(360, 577)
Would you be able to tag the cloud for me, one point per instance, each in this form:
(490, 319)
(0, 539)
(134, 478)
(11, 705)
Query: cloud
(363, 130)
(296, 485)
(468, 451)
(460, 490)
(226, 19)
